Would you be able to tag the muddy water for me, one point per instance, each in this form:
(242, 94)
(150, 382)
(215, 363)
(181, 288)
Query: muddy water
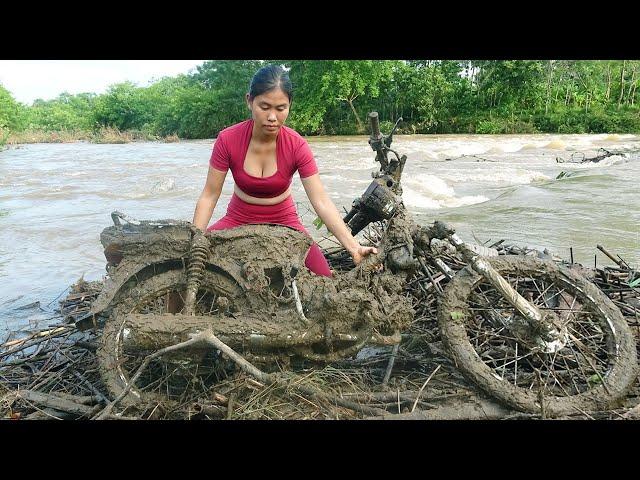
(56, 198)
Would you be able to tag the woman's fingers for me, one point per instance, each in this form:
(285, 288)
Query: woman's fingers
(368, 250)
(362, 252)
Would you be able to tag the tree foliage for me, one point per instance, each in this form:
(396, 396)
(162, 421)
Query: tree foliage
(334, 97)
(9, 110)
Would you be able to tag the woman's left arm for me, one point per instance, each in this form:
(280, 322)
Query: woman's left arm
(329, 214)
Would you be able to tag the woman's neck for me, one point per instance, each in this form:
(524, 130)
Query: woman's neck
(261, 138)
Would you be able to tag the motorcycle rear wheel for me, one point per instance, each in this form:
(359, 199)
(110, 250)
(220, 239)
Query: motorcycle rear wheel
(170, 377)
(590, 370)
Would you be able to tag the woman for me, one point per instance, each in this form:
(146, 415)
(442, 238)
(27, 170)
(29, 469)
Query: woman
(263, 154)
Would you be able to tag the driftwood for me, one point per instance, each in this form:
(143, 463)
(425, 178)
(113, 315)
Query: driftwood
(475, 409)
(580, 157)
(57, 402)
(50, 414)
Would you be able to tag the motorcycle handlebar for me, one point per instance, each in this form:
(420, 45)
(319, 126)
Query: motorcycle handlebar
(375, 125)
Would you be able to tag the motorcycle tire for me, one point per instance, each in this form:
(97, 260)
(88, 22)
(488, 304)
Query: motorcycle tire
(590, 370)
(150, 296)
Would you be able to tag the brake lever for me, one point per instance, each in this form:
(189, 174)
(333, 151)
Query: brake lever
(388, 140)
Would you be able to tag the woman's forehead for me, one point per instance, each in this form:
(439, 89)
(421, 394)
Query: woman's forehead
(274, 97)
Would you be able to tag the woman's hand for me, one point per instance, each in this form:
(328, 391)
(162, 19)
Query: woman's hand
(328, 213)
(361, 252)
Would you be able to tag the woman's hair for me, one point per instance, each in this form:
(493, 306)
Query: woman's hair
(269, 78)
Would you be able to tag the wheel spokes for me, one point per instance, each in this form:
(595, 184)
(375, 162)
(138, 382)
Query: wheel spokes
(171, 376)
(580, 364)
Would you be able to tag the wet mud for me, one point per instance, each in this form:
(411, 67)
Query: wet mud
(259, 263)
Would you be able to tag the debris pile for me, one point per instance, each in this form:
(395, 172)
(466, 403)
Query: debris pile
(53, 373)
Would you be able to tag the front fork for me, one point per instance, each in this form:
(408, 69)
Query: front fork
(550, 336)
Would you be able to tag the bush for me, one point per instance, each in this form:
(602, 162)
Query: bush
(489, 126)
(598, 120)
(385, 127)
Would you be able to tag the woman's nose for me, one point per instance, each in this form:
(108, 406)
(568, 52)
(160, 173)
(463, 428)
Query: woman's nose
(272, 117)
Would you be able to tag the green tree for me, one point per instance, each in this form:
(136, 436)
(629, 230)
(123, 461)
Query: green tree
(9, 110)
(66, 112)
(509, 83)
(322, 84)
(197, 113)
(160, 101)
(186, 107)
(124, 107)
(226, 83)
(427, 88)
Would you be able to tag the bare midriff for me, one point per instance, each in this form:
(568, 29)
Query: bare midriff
(261, 201)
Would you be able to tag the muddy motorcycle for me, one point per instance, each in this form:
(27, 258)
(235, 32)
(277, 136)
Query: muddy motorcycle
(523, 329)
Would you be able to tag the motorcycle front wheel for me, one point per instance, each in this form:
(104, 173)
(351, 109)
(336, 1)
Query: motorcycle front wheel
(589, 368)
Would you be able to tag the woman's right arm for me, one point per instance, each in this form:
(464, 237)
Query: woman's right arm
(208, 198)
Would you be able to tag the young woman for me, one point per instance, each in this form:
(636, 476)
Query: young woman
(263, 154)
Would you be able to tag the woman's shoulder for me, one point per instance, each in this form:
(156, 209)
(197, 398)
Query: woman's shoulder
(295, 138)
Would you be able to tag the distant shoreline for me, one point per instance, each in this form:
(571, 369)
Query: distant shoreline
(104, 135)
(108, 135)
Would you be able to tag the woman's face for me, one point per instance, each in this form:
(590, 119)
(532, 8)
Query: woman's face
(269, 111)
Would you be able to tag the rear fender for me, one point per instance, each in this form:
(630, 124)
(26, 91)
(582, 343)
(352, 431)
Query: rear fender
(129, 273)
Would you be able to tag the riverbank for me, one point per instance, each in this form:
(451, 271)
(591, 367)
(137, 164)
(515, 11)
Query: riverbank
(103, 135)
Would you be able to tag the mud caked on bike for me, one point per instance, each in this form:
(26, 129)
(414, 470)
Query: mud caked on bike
(525, 330)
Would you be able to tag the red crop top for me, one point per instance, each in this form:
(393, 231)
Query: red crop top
(292, 153)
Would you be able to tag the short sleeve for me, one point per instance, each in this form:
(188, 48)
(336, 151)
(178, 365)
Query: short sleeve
(305, 163)
(220, 155)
